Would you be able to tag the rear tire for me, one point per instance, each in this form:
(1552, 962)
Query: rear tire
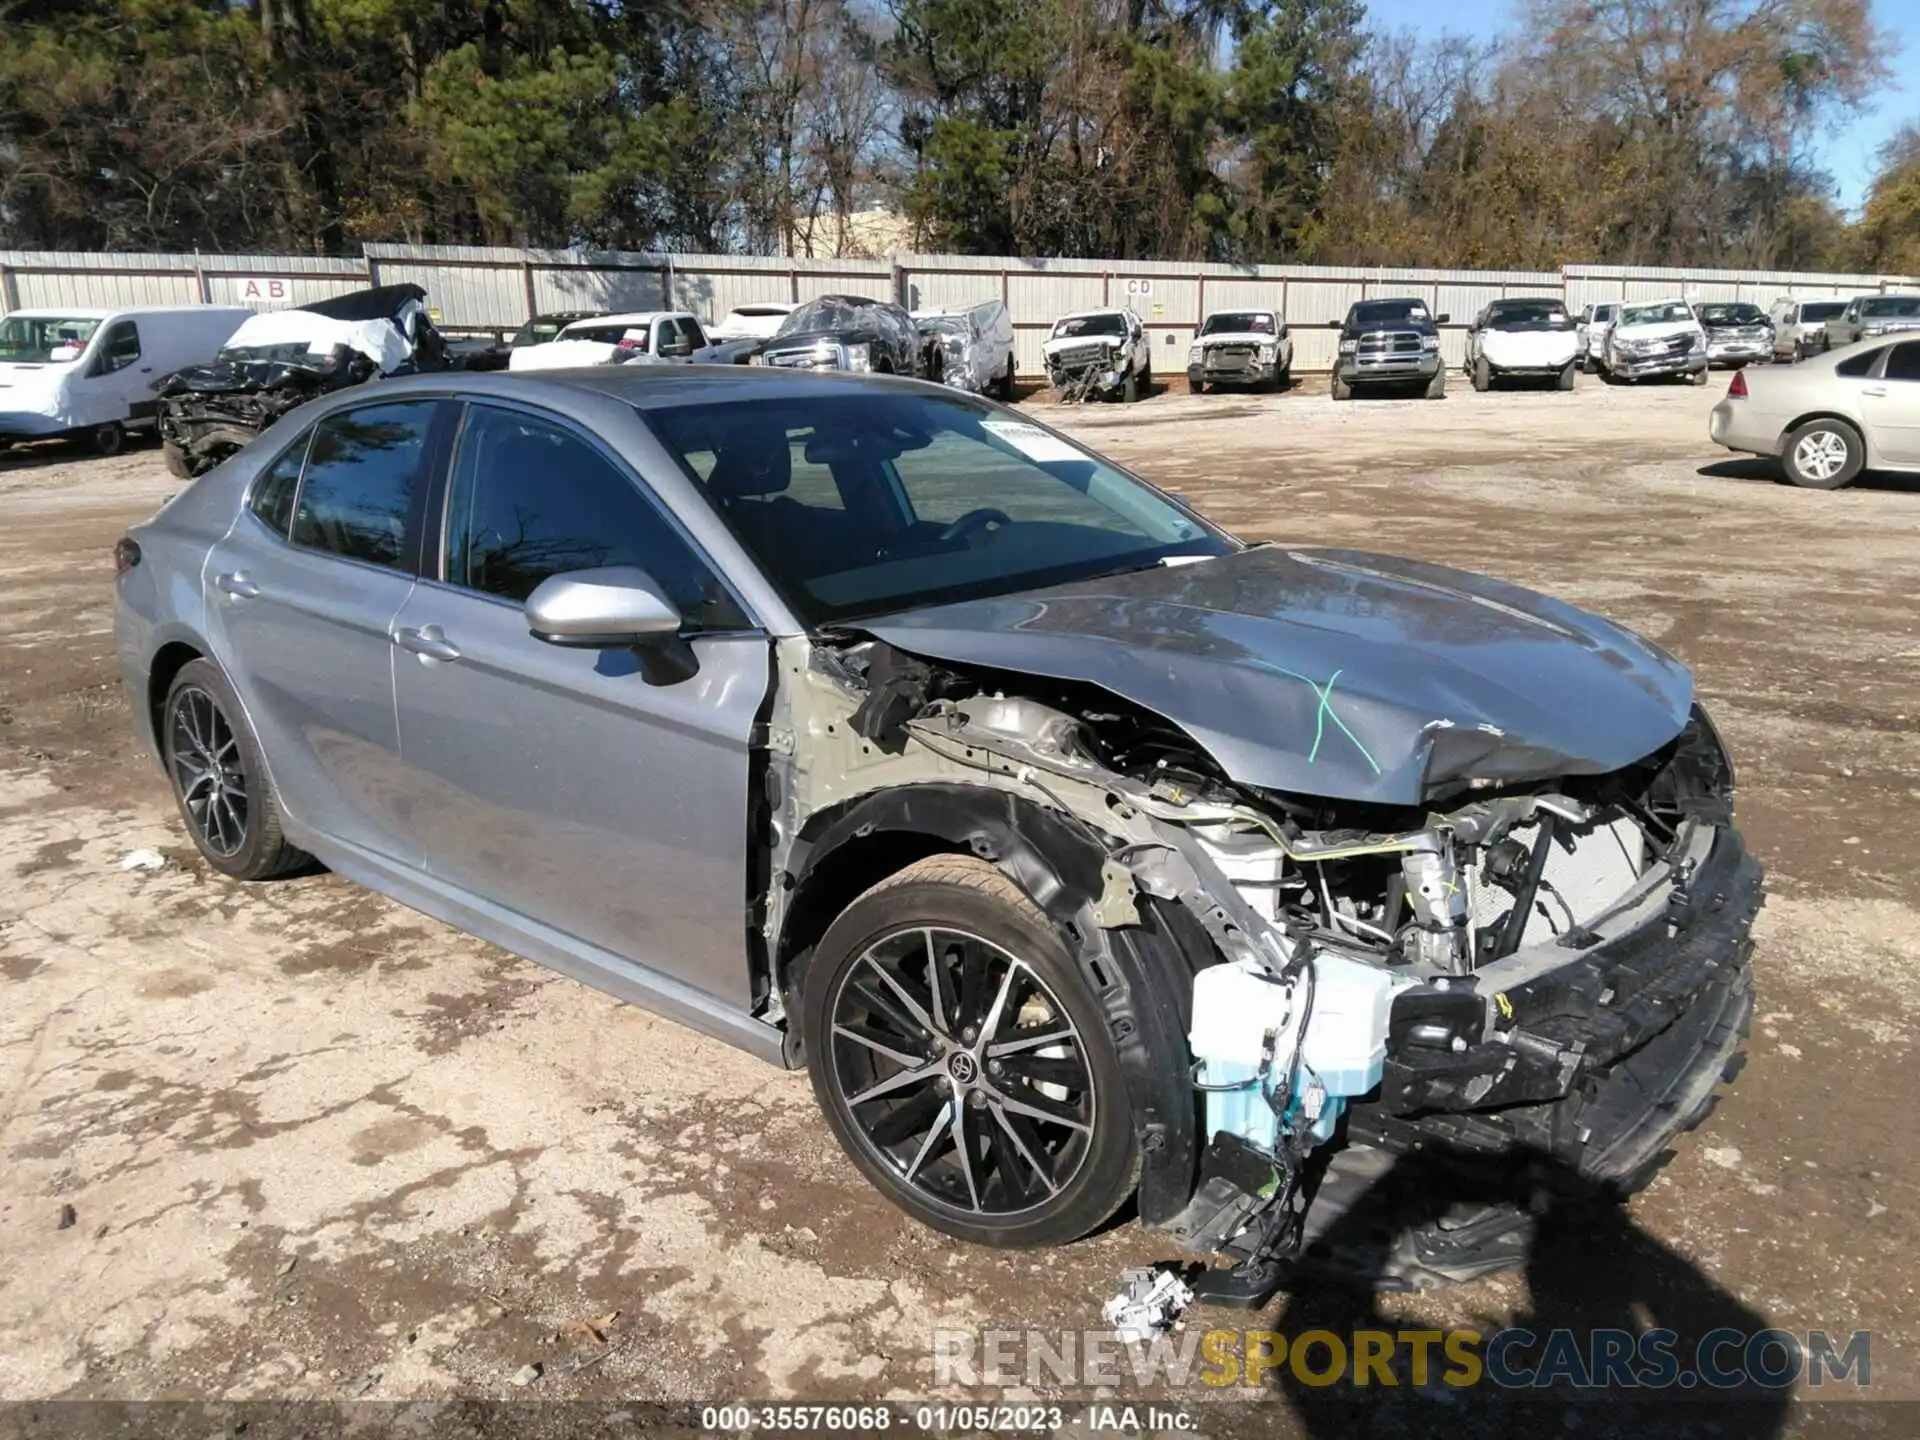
(1823, 455)
(107, 439)
(875, 1014)
(220, 779)
(1006, 382)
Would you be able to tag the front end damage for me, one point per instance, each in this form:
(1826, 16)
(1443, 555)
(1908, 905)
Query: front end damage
(1552, 969)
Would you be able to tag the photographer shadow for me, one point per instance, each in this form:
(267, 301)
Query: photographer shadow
(1587, 1268)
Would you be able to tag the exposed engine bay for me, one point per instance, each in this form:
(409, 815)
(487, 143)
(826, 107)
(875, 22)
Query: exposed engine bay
(1543, 967)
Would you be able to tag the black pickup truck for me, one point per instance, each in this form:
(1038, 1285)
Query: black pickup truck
(1389, 343)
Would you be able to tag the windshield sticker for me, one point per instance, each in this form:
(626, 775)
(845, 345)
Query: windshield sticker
(1031, 441)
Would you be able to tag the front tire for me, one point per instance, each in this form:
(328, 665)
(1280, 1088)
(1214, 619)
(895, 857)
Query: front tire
(1341, 389)
(1482, 375)
(1566, 380)
(219, 778)
(1437, 387)
(1130, 388)
(1823, 455)
(962, 1062)
(178, 465)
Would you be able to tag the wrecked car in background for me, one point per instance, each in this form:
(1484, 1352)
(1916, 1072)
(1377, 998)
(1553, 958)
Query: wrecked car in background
(645, 337)
(1240, 347)
(1099, 354)
(1083, 849)
(970, 347)
(1523, 339)
(1737, 333)
(848, 332)
(1656, 338)
(280, 359)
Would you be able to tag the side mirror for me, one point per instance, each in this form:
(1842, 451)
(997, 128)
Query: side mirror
(1335, 324)
(1441, 319)
(613, 608)
(600, 609)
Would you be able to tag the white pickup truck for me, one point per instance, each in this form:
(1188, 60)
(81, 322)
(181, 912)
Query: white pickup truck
(1240, 347)
(644, 337)
(1098, 352)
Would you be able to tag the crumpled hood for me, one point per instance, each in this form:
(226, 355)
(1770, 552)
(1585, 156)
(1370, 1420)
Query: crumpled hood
(1658, 330)
(1067, 342)
(1529, 347)
(1336, 673)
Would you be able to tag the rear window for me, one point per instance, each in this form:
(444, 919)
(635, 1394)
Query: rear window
(272, 502)
(363, 470)
(1891, 305)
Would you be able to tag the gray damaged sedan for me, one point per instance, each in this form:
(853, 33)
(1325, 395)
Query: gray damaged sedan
(1078, 850)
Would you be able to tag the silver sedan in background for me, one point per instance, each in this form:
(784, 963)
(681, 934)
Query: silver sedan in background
(1830, 417)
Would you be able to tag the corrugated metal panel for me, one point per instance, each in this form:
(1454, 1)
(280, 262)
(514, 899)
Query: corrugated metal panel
(1042, 299)
(949, 289)
(578, 287)
(1158, 298)
(103, 287)
(465, 295)
(1238, 293)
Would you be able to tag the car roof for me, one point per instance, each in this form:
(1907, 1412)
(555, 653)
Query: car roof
(1097, 310)
(652, 387)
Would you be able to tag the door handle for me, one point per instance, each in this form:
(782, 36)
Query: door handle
(427, 641)
(1879, 390)
(236, 584)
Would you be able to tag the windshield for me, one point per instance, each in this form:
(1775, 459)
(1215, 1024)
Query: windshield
(625, 333)
(45, 339)
(1732, 315)
(1388, 312)
(1664, 312)
(1242, 322)
(1528, 315)
(541, 329)
(868, 503)
(1821, 310)
(1891, 305)
(1107, 324)
(947, 324)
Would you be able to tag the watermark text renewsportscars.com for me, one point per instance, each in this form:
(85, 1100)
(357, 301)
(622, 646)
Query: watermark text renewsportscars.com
(1725, 1360)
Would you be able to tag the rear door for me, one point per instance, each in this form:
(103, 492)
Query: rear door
(1891, 407)
(562, 785)
(302, 593)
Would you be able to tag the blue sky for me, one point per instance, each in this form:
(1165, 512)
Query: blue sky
(1849, 154)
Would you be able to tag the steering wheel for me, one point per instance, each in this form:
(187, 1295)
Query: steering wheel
(974, 520)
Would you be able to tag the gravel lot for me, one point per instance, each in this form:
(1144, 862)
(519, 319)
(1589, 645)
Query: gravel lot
(317, 1145)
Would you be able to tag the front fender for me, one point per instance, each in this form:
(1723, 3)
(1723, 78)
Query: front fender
(1140, 975)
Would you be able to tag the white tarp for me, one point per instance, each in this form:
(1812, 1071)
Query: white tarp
(379, 340)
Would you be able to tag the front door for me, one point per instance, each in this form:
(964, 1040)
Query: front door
(301, 595)
(560, 784)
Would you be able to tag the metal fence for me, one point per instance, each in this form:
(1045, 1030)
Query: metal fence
(479, 288)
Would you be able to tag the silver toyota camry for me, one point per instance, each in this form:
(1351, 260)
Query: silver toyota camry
(1077, 849)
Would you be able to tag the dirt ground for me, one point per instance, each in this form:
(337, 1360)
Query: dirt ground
(317, 1146)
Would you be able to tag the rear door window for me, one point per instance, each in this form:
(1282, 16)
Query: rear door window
(364, 471)
(1858, 365)
(1903, 361)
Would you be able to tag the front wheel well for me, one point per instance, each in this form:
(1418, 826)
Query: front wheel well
(833, 882)
(172, 658)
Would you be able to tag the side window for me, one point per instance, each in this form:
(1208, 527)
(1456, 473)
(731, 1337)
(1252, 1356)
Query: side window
(272, 502)
(531, 499)
(1858, 365)
(362, 473)
(119, 347)
(1903, 361)
(690, 331)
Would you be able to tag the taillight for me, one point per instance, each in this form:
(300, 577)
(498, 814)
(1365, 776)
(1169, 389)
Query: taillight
(1738, 385)
(126, 555)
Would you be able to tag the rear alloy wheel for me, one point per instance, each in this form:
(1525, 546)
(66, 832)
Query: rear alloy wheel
(1823, 455)
(961, 1059)
(219, 779)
